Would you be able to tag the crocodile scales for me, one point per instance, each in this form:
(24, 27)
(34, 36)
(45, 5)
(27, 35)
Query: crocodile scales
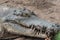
(22, 21)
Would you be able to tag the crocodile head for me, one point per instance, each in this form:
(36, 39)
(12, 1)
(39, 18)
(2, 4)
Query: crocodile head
(14, 14)
(28, 21)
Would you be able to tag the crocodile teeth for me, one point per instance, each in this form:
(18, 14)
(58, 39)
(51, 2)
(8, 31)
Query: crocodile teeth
(24, 22)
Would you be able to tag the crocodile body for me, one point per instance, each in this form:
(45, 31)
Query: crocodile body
(24, 22)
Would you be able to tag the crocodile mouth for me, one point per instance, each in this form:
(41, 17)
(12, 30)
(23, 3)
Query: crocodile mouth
(14, 28)
(27, 24)
(33, 26)
(34, 30)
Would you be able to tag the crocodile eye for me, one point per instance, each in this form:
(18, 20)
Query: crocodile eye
(25, 15)
(16, 14)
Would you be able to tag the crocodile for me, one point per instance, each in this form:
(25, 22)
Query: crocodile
(21, 21)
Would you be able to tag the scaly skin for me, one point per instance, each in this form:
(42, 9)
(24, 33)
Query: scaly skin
(15, 28)
(24, 22)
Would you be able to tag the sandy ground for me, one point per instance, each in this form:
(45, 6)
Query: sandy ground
(48, 10)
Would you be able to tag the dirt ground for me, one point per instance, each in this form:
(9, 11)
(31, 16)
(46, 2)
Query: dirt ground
(46, 9)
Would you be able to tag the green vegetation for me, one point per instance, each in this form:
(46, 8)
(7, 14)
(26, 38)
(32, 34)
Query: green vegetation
(57, 37)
